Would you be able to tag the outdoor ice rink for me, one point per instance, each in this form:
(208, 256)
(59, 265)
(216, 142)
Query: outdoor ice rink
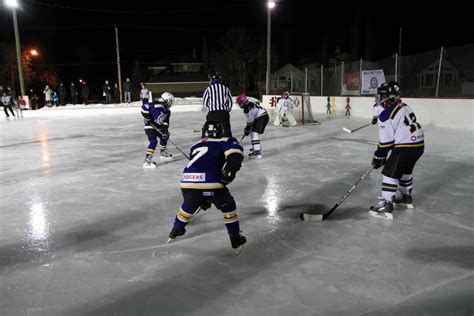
(84, 226)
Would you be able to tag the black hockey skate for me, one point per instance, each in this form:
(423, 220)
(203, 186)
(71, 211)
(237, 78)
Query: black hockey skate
(255, 154)
(238, 241)
(148, 163)
(405, 200)
(165, 154)
(382, 210)
(175, 232)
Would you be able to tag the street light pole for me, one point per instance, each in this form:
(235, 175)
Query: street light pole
(270, 5)
(18, 52)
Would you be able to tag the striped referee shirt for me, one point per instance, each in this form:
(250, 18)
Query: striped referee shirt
(217, 97)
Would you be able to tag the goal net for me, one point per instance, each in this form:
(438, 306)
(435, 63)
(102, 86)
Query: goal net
(303, 111)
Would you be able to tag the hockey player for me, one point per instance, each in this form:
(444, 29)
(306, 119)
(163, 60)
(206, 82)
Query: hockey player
(400, 133)
(284, 109)
(214, 163)
(157, 118)
(257, 120)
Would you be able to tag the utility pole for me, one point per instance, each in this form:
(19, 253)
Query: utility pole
(18, 53)
(400, 56)
(118, 63)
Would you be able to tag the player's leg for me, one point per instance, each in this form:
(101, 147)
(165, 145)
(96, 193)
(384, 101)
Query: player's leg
(163, 151)
(291, 118)
(406, 180)
(224, 201)
(192, 200)
(391, 172)
(153, 142)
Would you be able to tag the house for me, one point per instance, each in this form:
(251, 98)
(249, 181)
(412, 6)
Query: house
(184, 77)
(288, 77)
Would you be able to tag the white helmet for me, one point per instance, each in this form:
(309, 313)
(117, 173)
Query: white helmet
(168, 99)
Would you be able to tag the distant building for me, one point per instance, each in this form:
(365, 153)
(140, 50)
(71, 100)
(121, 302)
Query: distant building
(184, 77)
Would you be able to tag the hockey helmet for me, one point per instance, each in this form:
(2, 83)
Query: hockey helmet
(215, 76)
(388, 93)
(242, 100)
(213, 129)
(285, 94)
(167, 99)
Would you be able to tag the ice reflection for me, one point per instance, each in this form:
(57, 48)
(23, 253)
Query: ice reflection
(45, 157)
(38, 233)
(272, 198)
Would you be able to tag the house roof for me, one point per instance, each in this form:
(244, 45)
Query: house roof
(180, 77)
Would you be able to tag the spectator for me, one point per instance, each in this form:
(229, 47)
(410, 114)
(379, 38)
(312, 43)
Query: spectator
(127, 88)
(107, 92)
(7, 104)
(62, 94)
(74, 93)
(116, 93)
(85, 93)
(33, 98)
(56, 98)
(48, 96)
(144, 94)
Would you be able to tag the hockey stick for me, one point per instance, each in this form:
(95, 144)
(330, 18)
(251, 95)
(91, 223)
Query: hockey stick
(242, 138)
(345, 129)
(184, 154)
(159, 132)
(322, 217)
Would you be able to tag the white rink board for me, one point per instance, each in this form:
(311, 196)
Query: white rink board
(452, 113)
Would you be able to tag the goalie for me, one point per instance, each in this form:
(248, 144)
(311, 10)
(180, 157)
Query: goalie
(284, 110)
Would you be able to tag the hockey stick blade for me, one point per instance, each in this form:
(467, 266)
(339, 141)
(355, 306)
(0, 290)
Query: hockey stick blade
(322, 217)
(345, 129)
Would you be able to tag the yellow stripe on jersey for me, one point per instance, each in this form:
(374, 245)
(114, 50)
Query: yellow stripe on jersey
(202, 186)
(409, 145)
(233, 151)
(145, 112)
(230, 217)
(386, 145)
(395, 111)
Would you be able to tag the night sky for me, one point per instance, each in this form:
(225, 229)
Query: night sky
(77, 37)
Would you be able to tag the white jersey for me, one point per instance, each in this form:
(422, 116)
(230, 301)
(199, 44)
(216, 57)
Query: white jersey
(253, 111)
(285, 105)
(398, 128)
(377, 109)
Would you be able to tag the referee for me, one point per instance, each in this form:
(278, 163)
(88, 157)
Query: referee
(218, 100)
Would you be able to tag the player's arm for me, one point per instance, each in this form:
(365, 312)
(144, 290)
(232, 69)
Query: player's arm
(386, 142)
(234, 155)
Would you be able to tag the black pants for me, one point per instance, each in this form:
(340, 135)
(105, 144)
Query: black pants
(9, 106)
(401, 161)
(223, 117)
(259, 124)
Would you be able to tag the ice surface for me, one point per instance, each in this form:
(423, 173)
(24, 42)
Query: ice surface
(84, 226)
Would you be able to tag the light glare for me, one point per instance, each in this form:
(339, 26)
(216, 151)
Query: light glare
(12, 3)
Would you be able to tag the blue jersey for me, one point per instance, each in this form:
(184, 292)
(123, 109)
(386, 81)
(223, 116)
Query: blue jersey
(156, 113)
(207, 160)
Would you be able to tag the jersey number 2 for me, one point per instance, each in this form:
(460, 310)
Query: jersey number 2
(414, 124)
(197, 153)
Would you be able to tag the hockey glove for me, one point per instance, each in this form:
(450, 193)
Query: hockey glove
(228, 174)
(165, 135)
(374, 120)
(378, 162)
